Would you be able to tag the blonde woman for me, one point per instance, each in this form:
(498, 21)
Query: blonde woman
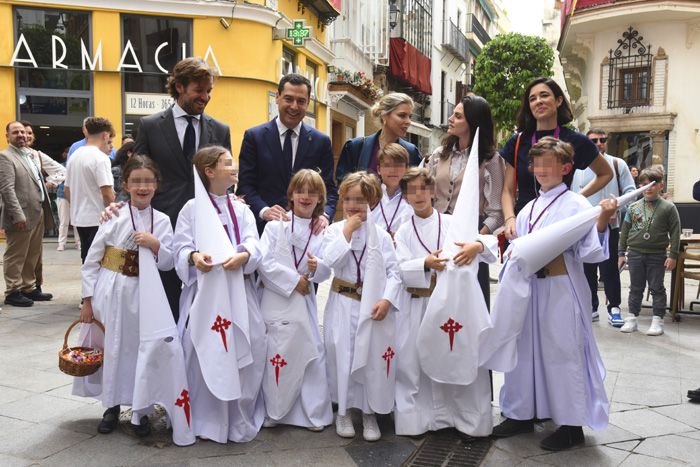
(394, 111)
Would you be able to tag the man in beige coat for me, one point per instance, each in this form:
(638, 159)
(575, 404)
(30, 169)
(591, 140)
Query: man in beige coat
(24, 198)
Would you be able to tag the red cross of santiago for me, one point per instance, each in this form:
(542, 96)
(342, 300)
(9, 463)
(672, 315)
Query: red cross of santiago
(451, 327)
(388, 355)
(184, 402)
(220, 326)
(278, 362)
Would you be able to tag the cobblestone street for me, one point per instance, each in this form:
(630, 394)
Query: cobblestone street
(651, 422)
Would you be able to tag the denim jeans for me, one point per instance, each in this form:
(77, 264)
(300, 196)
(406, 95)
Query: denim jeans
(647, 268)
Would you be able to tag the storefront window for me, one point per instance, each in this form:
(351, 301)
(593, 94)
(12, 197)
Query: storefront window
(311, 73)
(289, 61)
(158, 44)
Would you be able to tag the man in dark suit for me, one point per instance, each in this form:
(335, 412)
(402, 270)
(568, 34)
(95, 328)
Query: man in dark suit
(171, 139)
(272, 152)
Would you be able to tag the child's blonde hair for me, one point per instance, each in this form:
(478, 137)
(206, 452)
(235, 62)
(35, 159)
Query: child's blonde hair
(562, 150)
(207, 158)
(368, 183)
(393, 152)
(315, 183)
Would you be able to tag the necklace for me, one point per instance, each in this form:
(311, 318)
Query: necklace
(232, 215)
(648, 220)
(396, 211)
(531, 225)
(133, 223)
(413, 221)
(294, 251)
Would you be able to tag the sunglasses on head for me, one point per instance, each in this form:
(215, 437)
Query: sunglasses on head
(603, 140)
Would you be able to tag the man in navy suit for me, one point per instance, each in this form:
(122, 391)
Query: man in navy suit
(272, 152)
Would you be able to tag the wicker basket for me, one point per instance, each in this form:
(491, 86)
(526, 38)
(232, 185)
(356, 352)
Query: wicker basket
(76, 368)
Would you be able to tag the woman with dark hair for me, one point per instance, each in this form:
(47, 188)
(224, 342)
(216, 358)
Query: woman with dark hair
(447, 164)
(544, 111)
(123, 155)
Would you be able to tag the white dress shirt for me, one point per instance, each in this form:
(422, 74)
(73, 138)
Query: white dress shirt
(295, 137)
(181, 125)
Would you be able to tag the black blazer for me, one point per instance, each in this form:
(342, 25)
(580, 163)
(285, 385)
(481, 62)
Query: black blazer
(263, 179)
(157, 138)
(357, 152)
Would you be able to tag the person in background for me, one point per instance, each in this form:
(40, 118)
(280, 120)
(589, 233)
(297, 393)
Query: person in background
(81, 142)
(63, 208)
(634, 171)
(123, 155)
(609, 273)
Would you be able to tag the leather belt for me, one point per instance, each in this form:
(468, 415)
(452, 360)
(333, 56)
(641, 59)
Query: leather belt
(417, 292)
(556, 267)
(346, 288)
(124, 262)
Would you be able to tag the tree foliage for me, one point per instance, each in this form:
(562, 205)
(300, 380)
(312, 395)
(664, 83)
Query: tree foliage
(503, 70)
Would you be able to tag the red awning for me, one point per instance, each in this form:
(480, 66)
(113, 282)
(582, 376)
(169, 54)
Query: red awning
(409, 65)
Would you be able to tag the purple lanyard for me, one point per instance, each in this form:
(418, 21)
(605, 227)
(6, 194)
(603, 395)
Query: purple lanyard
(531, 225)
(133, 223)
(231, 213)
(413, 220)
(357, 263)
(294, 251)
(557, 130)
(389, 224)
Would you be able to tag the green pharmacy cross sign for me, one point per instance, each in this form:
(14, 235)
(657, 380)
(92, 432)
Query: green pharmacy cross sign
(299, 33)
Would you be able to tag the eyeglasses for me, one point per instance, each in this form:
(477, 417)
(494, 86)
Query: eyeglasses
(603, 140)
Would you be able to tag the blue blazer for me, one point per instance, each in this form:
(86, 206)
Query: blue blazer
(262, 177)
(357, 153)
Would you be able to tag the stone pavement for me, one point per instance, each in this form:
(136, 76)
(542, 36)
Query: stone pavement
(651, 422)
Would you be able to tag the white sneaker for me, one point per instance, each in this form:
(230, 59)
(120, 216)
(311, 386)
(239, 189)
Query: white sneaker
(269, 423)
(60, 247)
(657, 326)
(630, 324)
(344, 427)
(370, 429)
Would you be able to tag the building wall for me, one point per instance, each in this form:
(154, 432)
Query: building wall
(245, 52)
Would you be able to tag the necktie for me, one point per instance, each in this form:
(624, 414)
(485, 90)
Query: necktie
(287, 149)
(189, 142)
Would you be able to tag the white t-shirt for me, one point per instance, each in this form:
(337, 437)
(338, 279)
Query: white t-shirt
(88, 170)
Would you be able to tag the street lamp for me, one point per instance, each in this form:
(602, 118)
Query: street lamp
(393, 14)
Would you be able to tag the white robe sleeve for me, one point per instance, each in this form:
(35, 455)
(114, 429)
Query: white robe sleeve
(490, 253)
(393, 287)
(163, 231)
(411, 269)
(335, 247)
(183, 245)
(280, 278)
(91, 267)
(593, 248)
(250, 241)
(323, 272)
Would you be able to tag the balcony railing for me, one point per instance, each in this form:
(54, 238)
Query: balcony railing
(454, 40)
(475, 27)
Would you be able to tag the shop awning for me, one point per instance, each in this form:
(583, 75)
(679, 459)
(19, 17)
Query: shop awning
(409, 65)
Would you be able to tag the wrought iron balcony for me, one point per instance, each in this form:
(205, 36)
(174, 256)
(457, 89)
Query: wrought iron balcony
(454, 40)
(475, 27)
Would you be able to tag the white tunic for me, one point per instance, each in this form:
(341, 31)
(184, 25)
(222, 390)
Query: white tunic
(241, 419)
(295, 384)
(115, 302)
(559, 372)
(391, 212)
(421, 403)
(342, 313)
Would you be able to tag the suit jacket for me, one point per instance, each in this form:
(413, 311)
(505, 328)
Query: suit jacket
(157, 138)
(357, 153)
(263, 178)
(21, 191)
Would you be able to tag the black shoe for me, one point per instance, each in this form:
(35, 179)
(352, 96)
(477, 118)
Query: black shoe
(510, 427)
(694, 395)
(18, 299)
(144, 429)
(564, 438)
(110, 420)
(37, 295)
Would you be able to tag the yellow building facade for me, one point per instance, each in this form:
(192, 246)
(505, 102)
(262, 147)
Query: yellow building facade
(64, 60)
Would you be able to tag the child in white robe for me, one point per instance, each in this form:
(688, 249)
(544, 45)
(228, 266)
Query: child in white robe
(295, 384)
(237, 420)
(343, 250)
(423, 404)
(392, 211)
(110, 291)
(559, 372)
